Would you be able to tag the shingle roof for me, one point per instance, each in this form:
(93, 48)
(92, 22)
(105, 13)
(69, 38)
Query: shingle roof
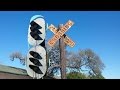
(12, 70)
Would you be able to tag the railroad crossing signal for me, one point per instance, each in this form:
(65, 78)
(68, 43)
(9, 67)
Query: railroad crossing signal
(60, 33)
(36, 57)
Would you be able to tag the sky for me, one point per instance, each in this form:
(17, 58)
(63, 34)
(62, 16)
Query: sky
(97, 30)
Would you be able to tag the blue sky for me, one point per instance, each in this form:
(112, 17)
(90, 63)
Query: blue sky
(97, 30)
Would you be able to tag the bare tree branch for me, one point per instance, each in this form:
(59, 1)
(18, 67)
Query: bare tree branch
(17, 55)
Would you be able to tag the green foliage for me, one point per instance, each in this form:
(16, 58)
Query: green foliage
(76, 75)
(99, 76)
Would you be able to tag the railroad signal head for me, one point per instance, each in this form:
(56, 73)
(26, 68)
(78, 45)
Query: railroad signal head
(36, 61)
(36, 31)
(36, 57)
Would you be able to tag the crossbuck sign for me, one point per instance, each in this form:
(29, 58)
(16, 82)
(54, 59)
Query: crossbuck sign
(60, 33)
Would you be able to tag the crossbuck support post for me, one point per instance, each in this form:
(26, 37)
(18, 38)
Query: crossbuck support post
(62, 56)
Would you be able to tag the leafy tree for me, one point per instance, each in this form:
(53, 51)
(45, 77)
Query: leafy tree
(92, 61)
(85, 61)
(73, 61)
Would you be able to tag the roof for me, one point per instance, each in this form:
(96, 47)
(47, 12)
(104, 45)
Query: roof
(12, 70)
(19, 71)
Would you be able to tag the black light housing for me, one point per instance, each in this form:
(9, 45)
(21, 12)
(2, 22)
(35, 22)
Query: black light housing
(36, 69)
(35, 61)
(35, 55)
